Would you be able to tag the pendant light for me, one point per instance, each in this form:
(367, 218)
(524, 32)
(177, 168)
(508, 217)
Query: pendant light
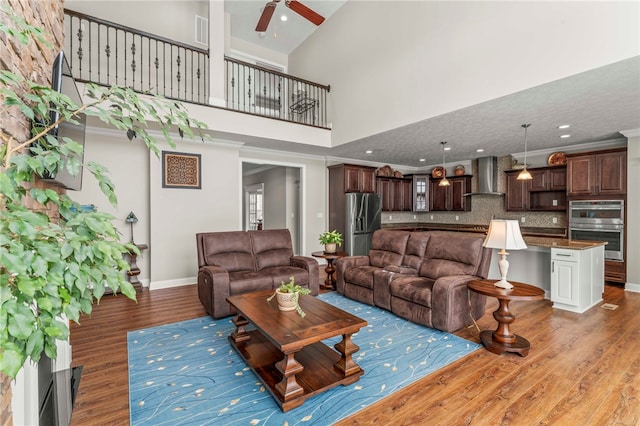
(444, 181)
(524, 174)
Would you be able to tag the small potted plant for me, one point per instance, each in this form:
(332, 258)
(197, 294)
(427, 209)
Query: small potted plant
(288, 295)
(331, 240)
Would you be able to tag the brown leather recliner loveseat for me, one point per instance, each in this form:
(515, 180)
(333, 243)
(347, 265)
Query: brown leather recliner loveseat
(420, 276)
(239, 262)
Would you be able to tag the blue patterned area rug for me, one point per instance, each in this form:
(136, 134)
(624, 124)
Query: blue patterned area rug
(187, 373)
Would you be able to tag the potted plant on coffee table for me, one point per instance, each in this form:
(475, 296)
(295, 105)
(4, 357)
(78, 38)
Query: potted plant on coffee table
(288, 295)
(331, 240)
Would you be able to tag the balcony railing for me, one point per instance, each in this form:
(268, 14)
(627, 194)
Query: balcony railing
(107, 53)
(258, 90)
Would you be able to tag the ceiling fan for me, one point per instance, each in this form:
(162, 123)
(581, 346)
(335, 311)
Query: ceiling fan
(294, 5)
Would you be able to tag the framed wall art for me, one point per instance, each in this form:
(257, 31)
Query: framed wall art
(181, 170)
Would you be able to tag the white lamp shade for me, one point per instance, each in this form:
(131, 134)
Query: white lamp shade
(504, 234)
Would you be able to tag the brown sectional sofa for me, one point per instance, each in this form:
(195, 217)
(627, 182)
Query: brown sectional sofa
(419, 276)
(239, 262)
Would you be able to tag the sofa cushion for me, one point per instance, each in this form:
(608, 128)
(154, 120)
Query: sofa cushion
(229, 250)
(413, 289)
(416, 248)
(388, 247)
(244, 282)
(284, 273)
(361, 276)
(271, 247)
(451, 255)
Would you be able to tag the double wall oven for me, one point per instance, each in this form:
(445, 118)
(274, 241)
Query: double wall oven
(599, 220)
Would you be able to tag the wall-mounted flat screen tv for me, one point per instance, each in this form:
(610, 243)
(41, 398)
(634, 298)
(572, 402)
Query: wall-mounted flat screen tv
(62, 81)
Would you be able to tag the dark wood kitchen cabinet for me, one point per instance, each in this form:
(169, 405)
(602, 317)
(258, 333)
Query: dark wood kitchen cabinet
(352, 178)
(396, 193)
(546, 191)
(450, 198)
(516, 198)
(597, 173)
(549, 178)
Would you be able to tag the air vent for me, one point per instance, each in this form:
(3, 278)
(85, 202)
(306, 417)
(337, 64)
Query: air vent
(202, 30)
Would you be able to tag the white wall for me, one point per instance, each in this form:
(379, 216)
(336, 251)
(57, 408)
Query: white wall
(128, 164)
(174, 20)
(392, 63)
(633, 207)
(178, 214)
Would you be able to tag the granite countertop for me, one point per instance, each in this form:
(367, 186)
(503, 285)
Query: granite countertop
(482, 229)
(533, 236)
(562, 243)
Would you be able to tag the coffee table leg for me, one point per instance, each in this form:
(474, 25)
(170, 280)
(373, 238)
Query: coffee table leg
(240, 335)
(288, 387)
(346, 364)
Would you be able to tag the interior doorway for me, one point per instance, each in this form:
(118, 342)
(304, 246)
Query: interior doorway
(279, 189)
(254, 200)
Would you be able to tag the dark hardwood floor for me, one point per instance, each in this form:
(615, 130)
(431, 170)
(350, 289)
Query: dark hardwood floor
(583, 369)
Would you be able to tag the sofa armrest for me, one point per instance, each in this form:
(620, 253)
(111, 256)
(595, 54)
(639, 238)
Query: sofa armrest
(453, 304)
(213, 290)
(311, 265)
(345, 263)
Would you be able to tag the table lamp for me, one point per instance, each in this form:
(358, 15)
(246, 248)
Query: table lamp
(504, 235)
(131, 219)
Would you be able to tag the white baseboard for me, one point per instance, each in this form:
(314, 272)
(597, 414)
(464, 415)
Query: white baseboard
(632, 287)
(156, 285)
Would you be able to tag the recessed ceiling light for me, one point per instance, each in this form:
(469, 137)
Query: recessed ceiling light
(564, 126)
(565, 136)
(423, 160)
(283, 18)
(479, 150)
(368, 151)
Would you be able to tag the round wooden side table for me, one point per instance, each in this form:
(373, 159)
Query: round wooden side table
(503, 340)
(330, 282)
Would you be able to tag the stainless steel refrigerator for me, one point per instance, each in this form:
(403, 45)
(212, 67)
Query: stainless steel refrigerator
(362, 217)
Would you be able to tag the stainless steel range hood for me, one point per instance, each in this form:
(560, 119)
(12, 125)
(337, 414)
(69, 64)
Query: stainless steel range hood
(487, 177)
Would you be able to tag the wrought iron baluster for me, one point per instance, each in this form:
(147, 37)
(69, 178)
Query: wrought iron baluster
(107, 51)
(90, 44)
(80, 53)
(249, 91)
(133, 62)
(157, 65)
(98, 52)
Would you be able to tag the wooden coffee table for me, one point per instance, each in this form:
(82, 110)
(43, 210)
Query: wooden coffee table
(285, 350)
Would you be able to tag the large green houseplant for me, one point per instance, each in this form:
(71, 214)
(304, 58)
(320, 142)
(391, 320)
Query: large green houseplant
(53, 269)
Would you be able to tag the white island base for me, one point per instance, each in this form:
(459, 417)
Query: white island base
(577, 278)
(570, 272)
